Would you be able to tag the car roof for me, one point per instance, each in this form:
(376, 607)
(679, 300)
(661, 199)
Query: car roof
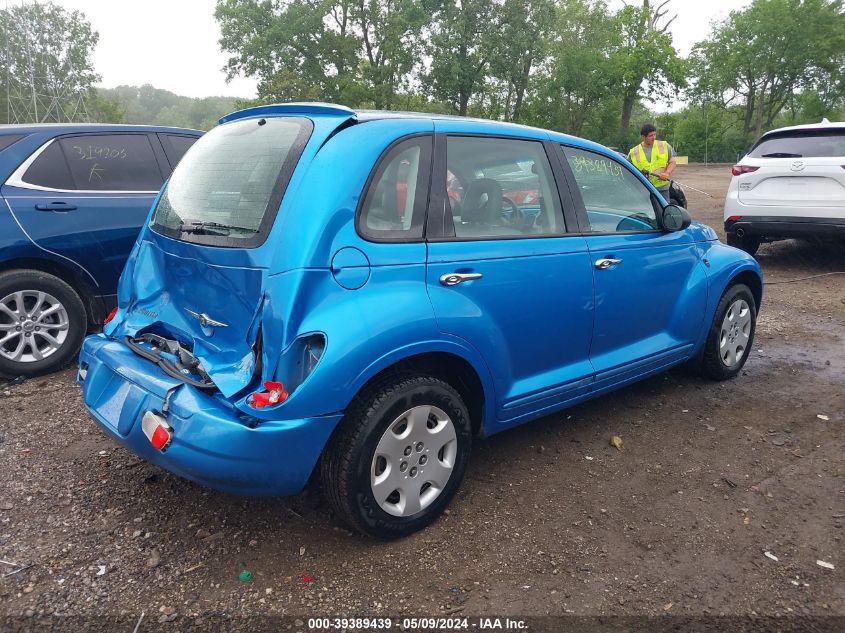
(364, 115)
(823, 125)
(71, 128)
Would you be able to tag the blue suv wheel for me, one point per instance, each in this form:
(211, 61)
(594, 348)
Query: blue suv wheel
(42, 323)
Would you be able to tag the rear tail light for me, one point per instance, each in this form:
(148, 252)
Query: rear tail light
(734, 218)
(738, 170)
(274, 394)
(157, 430)
(110, 316)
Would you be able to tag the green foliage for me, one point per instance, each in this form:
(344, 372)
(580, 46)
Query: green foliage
(648, 61)
(45, 55)
(577, 87)
(460, 49)
(104, 109)
(704, 133)
(522, 29)
(358, 52)
(774, 54)
(149, 105)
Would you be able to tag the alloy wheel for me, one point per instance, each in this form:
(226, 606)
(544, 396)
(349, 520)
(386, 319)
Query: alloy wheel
(33, 326)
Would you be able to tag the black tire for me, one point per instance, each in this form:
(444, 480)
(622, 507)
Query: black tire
(711, 365)
(346, 463)
(34, 280)
(746, 243)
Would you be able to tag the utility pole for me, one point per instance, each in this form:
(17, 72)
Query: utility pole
(33, 95)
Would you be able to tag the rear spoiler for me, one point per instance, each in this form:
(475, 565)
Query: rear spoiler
(322, 109)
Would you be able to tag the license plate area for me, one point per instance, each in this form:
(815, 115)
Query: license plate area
(119, 402)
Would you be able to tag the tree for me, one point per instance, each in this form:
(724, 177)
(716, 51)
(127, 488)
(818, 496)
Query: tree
(581, 75)
(352, 51)
(460, 49)
(104, 109)
(149, 105)
(762, 57)
(522, 31)
(45, 55)
(649, 63)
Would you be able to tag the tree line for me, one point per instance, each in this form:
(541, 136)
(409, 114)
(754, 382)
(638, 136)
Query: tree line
(577, 66)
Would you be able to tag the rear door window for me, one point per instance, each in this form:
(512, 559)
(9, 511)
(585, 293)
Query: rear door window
(227, 190)
(112, 162)
(499, 187)
(801, 144)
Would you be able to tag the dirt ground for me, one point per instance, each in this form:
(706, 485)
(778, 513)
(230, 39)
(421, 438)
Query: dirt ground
(720, 503)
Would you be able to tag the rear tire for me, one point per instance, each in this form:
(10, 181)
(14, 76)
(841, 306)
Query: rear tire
(745, 243)
(398, 456)
(731, 334)
(42, 323)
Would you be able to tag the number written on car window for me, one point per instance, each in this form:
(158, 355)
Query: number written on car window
(94, 152)
(112, 162)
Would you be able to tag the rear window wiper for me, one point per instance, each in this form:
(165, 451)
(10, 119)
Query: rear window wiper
(782, 155)
(213, 228)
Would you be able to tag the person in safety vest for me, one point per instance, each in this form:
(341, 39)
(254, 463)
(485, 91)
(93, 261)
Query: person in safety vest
(655, 159)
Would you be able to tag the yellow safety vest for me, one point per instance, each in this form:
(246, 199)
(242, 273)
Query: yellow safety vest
(659, 160)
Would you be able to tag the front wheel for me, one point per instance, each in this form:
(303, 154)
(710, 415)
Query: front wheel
(42, 323)
(398, 457)
(731, 334)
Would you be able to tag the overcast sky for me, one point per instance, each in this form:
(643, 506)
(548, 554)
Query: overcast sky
(172, 44)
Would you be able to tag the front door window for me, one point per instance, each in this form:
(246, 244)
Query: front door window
(614, 199)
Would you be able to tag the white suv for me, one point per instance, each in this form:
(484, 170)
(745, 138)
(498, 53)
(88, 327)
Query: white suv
(791, 184)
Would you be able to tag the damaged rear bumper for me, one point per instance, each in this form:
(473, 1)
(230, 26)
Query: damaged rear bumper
(212, 444)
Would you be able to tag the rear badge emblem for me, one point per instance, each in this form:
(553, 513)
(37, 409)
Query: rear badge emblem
(205, 320)
(797, 165)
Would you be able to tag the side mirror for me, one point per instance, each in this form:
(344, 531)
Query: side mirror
(675, 218)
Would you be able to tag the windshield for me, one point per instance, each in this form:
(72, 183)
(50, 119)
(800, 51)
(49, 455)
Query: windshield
(801, 144)
(228, 186)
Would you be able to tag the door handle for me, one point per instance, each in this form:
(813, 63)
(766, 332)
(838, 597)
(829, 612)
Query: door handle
(55, 206)
(607, 262)
(453, 279)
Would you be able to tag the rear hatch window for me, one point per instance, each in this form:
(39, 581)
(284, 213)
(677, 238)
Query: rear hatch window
(227, 188)
(801, 144)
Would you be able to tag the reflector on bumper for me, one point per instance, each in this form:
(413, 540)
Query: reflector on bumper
(157, 430)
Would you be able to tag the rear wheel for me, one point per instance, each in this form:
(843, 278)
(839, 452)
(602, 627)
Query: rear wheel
(731, 334)
(398, 457)
(746, 243)
(42, 323)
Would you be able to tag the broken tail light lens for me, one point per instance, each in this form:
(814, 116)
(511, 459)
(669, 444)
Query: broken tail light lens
(738, 170)
(157, 430)
(274, 393)
(161, 438)
(110, 316)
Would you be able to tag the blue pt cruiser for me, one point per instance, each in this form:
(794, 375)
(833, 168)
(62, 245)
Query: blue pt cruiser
(369, 291)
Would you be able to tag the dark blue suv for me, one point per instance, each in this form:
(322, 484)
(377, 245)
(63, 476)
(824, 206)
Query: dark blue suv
(72, 202)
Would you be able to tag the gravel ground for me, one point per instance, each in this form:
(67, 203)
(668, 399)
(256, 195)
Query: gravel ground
(721, 502)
